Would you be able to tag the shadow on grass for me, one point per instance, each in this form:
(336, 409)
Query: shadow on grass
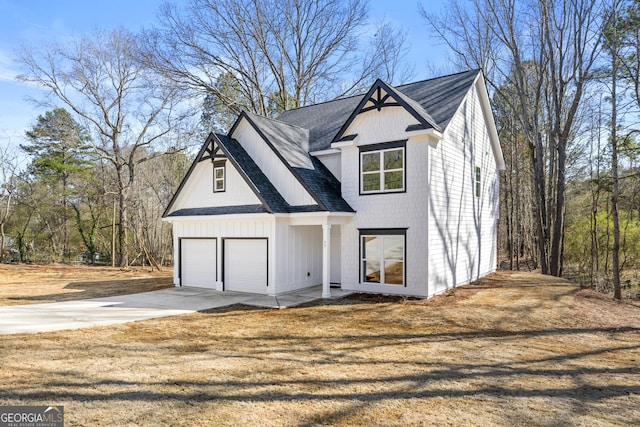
(99, 289)
(415, 381)
(355, 366)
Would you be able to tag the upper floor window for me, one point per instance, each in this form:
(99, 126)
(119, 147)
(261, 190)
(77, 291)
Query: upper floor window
(219, 176)
(478, 188)
(382, 168)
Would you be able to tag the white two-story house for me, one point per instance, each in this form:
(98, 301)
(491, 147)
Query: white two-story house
(394, 191)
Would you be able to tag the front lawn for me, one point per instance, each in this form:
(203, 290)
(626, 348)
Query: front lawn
(513, 349)
(35, 284)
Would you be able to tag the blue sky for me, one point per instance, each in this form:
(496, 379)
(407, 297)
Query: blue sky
(34, 22)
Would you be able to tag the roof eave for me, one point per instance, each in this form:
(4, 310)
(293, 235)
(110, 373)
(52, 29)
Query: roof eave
(171, 219)
(188, 174)
(489, 119)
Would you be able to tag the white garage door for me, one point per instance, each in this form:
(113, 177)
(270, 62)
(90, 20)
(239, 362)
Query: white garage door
(245, 265)
(198, 263)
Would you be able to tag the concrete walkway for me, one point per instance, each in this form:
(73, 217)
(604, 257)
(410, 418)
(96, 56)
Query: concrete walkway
(147, 305)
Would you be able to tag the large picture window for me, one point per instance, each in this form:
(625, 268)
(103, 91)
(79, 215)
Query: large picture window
(382, 256)
(382, 170)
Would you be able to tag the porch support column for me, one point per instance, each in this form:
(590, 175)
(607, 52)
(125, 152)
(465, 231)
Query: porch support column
(326, 260)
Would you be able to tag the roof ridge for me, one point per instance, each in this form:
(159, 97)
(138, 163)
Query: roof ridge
(322, 103)
(475, 70)
(278, 121)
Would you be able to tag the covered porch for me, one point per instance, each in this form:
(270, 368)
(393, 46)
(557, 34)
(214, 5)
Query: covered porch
(323, 245)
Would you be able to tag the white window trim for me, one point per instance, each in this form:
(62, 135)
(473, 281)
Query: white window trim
(381, 171)
(223, 179)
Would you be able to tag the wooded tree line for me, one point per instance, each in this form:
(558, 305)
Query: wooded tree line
(126, 110)
(564, 77)
(564, 82)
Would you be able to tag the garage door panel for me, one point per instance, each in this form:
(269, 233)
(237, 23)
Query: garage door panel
(245, 265)
(198, 262)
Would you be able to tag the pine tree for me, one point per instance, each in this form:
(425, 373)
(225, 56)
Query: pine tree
(58, 146)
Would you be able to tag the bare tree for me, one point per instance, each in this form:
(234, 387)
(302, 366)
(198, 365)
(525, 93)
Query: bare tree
(127, 105)
(627, 37)
(8, 171)
(613, 49)
(545, 50)
(572, 31)
(288, 52)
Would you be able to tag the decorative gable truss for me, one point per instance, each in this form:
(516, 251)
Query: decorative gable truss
(210, 151)
(380, 96)
(379, 99)
(249, 190)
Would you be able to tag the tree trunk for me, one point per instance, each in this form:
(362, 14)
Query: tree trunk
(539, 206)
(558, 225)
(122, 229)
(2, 241)
(615, 255)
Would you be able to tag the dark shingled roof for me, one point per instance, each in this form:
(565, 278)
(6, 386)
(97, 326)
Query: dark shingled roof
(292, 142)
(288, 141)
(220, 210)
(322, 183)
(324, 187)
(243, 209)
(313, 128)
(439, 97)
(264, 189)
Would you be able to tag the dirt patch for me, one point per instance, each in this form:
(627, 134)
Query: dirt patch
(512, 349)
(30, 284)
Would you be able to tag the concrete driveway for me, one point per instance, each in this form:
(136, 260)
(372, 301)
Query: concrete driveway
(147, 305)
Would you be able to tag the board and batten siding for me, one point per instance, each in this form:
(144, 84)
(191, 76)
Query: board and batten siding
(269, 163)
(261, 226)
(299, 256)
(198, 191)
(390, 210)
(462, 228)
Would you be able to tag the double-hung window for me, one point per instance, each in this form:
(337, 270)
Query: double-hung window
(478, 183)
(382, 168)
(219, 176)
(382, 254)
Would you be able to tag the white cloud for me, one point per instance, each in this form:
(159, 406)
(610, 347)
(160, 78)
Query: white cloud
(8, 70)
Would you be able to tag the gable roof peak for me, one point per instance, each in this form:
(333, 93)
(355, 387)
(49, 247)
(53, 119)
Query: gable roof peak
(439, 97)
(374, 99)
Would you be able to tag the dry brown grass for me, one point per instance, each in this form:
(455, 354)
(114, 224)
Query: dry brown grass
(32, 284)
(514, 349)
